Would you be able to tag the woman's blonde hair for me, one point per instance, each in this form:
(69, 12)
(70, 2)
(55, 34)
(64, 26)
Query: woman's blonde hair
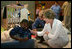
(48, 13)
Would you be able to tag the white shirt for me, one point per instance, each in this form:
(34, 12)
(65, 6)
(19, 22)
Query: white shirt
(24, 14)
(57, 33)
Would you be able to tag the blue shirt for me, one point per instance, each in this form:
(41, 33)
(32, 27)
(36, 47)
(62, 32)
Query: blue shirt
(37, 23)
(57, 10)
(21, 32)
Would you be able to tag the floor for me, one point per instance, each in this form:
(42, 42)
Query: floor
(44, 45)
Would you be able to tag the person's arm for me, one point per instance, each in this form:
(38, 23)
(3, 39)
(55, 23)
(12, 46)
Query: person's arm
(35, 24)
(51, 7)
(56, 33)
(41, 33)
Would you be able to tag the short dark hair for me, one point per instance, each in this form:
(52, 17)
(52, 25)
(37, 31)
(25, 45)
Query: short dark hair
(25, 21)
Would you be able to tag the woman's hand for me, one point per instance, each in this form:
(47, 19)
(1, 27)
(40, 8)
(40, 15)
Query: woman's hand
(34, 32)
(47, 33)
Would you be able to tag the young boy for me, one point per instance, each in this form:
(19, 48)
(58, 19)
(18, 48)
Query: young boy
(22, 37)
(21, 33)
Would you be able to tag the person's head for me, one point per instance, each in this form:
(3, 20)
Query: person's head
(17, 2)
(41, 15)
(69, 1)
(25, 5)
(24, 23)
(56, 3)
(49, 14)
(39, 6)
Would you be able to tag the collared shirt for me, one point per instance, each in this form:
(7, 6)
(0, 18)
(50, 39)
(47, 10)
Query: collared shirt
(21, 32)
(37, 23)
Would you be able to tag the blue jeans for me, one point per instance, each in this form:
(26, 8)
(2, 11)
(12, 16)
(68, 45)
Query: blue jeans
(16, 44)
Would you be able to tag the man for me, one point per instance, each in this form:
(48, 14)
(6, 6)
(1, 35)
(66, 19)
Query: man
(22, 31)
(56, 8)
(39, 23)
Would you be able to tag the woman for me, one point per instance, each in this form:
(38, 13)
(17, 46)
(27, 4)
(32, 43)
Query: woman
(53, 31)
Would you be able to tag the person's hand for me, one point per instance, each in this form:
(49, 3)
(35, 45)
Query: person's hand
(34, 32)
(34, 29)
(47, 33)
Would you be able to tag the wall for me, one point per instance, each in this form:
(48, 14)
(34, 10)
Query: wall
(31, 8)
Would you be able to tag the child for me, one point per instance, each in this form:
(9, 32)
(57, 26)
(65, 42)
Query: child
(21, 33)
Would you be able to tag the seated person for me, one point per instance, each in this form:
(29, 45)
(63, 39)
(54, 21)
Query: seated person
(39, 21)
(21, 33)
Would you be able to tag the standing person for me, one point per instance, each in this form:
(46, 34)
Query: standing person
(38, 10)
(53, 31)
(24, 13)
(67, 14)
(19, 13)
(56, 8)
(39, 21)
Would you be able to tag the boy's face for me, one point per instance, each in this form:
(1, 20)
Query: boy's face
(24, 25)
